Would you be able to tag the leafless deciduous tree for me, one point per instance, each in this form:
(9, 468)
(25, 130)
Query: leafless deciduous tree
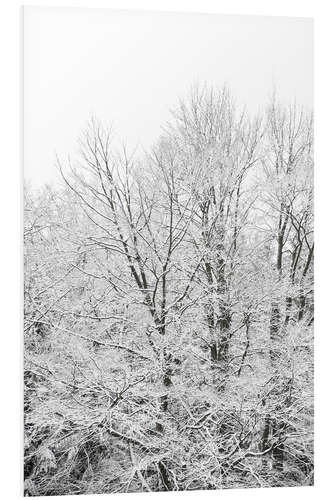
(169, 307)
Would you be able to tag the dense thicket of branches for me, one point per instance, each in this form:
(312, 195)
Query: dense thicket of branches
(169, 308)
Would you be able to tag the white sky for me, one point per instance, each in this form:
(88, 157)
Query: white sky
(130, 68)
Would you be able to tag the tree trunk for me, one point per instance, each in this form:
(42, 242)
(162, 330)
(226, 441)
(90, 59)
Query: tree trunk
(274, 330)
(289, 302)
(167, 382)
(278, 451)
(301, 307)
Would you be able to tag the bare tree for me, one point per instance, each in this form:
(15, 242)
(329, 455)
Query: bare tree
(169, 307)
(287, 200)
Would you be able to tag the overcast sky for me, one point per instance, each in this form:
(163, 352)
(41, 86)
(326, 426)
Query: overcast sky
(130, 68)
